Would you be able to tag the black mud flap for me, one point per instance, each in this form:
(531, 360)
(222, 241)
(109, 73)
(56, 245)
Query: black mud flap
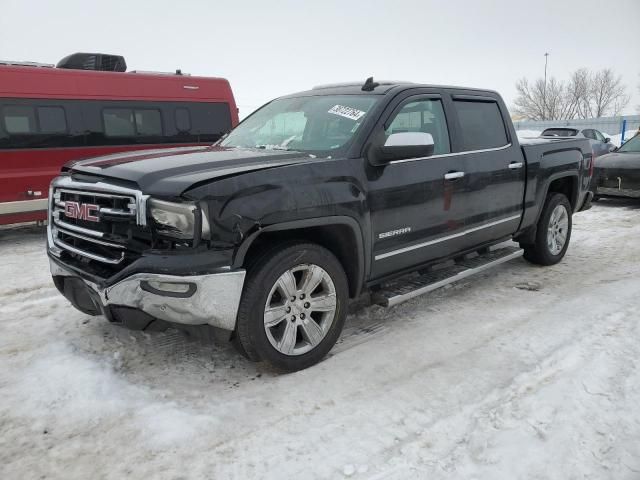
(587, 202)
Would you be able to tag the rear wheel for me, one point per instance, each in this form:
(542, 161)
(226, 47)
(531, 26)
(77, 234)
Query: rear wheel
(293, 307)
(553, 232)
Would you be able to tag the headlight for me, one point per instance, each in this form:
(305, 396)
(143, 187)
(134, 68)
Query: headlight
(177, 220)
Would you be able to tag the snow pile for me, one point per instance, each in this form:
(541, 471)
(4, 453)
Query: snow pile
(528, 133)
(617, 139)
(522, 372)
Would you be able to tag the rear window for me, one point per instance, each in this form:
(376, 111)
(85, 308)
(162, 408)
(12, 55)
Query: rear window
(481, 123)
(560, 132)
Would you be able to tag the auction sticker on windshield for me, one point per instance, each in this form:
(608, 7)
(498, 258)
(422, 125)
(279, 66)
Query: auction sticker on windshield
(347, 112)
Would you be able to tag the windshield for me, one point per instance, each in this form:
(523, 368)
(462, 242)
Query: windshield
(632, 145)
(315, 124)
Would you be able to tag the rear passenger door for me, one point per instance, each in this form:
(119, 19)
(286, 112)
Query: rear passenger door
(494, 169)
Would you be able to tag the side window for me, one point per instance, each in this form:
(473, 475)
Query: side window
(183, 120)
(481, 123)
(36, 124)
(118, 122)
(599, 136)
(426, 116)
(209, 121)
(148, 123)
(52, 120)
(126, 122)
(19, 119)
(589, 133)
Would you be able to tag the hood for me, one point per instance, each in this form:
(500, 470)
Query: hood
(169, 172)
(616, 160)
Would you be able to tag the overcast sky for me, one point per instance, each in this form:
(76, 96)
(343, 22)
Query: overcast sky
(271, 47)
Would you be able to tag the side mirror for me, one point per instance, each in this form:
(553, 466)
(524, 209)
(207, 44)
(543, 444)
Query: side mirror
(402, 146)
(607, 140)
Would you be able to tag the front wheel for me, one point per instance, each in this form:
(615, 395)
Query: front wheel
(553, 232)
(293, 307)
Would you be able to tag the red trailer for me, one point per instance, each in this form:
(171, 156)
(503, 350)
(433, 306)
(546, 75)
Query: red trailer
(51, 115)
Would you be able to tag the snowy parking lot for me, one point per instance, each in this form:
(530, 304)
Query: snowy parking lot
(521, 372)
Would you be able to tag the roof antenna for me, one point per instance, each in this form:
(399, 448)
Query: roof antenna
(369, 85)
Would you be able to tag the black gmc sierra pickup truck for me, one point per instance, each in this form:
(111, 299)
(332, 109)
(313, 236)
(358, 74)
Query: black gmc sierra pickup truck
(392, 189)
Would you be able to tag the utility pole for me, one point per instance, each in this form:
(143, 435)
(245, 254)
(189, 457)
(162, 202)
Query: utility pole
(544, 94)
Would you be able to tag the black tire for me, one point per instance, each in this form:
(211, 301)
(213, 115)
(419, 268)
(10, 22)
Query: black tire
(251, 337)
(540, 252)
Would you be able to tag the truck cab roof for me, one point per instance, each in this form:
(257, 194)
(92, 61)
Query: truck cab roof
(382, 87)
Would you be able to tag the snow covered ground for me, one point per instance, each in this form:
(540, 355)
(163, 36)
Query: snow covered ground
(521, 373)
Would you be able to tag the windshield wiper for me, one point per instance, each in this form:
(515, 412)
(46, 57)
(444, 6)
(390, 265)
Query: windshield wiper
(271, 147)
(282, 146)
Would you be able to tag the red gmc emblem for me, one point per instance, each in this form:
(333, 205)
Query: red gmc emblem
(82, 211)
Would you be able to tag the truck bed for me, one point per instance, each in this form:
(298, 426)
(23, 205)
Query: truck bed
(535, 149)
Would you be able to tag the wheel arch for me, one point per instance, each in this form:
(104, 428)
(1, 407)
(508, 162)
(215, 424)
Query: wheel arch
(341, 235)
(566, 183)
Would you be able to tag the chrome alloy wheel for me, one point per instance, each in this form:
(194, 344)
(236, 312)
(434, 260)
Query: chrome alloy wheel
(300, 309)
(558, 229)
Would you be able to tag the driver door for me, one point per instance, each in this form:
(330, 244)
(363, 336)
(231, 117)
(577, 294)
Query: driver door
(605, 145)
(413, 202)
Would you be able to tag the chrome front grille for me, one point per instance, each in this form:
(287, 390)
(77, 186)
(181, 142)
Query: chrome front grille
(97, 222)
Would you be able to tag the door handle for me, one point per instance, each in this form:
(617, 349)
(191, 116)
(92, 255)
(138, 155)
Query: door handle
(515, 165)
(453, 175)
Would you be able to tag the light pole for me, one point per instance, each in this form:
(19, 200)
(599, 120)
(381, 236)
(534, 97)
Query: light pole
(544, 93)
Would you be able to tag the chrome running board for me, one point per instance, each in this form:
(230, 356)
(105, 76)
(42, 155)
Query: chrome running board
(405, 289)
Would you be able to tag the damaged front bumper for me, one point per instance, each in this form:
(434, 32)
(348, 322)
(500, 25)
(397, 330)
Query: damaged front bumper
(208, 299)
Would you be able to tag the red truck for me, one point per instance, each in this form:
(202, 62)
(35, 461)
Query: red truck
(88, 105)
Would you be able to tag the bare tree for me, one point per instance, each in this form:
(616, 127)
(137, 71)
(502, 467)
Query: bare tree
(529, 103)
(556, 101)
(607, 95)
(577, 91)
(584, 95)
(533, 99)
